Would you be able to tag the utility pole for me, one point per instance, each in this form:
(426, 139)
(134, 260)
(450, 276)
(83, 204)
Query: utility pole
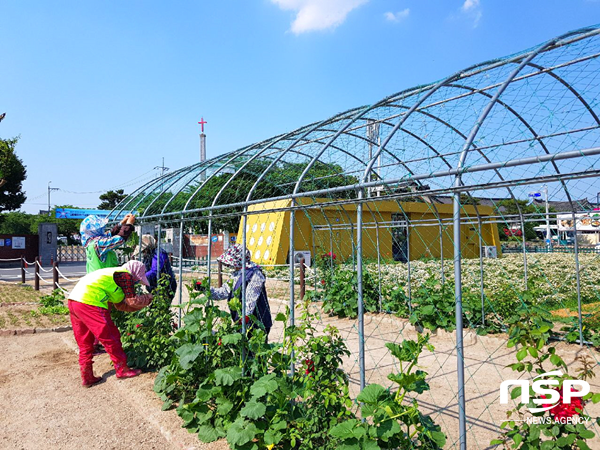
(50, 190)
(162, 168)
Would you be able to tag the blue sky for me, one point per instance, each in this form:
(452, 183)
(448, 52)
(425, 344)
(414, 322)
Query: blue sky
(101, 91)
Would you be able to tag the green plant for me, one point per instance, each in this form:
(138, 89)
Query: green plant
(207, 341)
(554, 428)
(340, 296)
(433, 306)
(297, 411)
(145, 334)
(53, 304)
(390, 422)
(56, 298)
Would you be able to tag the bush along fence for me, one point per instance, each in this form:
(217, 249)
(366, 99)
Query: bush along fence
(294, 394)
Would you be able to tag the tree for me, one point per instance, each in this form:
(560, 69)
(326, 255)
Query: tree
(111, 199)
(12, 175)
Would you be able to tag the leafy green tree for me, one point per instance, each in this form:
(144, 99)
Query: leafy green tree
(16, 222)
(508, 208)
(111, 199)
(280, 180)
(12, 175)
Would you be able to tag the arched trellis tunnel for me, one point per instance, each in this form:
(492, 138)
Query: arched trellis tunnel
(442, 171)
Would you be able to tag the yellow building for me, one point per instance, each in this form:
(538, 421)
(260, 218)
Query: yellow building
(319, 229)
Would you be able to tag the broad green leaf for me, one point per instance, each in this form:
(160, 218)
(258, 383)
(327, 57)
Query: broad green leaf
(231, 338)
(241, 432)
(371, 394)
(187, 354)
(370, 445)
(224, 406)
(207, 433)
(226, 377)
(280, 317)
(272, 436)
(517, 439)
(344, 430)
(587, 434)
(581, 445)
(388, 429)
(521, 354)
(264, 385)
(253, 410)
(439, 438)
(516, 392)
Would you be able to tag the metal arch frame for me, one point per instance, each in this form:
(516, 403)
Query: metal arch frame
(528, 57)
(524, 59)
(174, 181)
(480, 68)
(241, 169)
(240, 152)
(244, 226)
(130, 198)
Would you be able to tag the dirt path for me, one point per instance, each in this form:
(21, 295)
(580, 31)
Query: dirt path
(42, 405)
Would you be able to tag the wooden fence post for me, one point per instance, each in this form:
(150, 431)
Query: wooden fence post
(219, 274)
(36, 283)
(23, 269)
(55, 275)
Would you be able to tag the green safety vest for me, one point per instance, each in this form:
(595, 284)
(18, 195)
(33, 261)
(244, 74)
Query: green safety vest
(98, 288)
(93, 262)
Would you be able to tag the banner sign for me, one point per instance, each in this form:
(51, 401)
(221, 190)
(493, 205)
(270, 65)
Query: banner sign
(72, 213)
(585, 222)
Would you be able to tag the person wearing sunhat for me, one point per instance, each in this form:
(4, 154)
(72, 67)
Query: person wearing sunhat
(90, 316)
(100, 244)
(152, 260)
(257, 302)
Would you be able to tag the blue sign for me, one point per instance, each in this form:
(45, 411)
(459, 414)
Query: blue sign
(72, 213)
(214, 238)
(535, 194)
(232, 238)
(7, 242)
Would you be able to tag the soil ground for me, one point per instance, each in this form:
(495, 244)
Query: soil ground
(43, 406)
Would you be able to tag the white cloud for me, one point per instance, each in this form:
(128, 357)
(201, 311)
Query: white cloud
(397, 17)
(472, 9)
(468, 5)
(315, 15)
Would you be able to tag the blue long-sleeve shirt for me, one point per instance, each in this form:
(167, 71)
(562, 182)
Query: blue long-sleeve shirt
(165, 267)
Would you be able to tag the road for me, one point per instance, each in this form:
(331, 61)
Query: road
(71, 270)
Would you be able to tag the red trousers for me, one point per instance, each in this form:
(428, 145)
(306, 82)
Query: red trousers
(91, 323)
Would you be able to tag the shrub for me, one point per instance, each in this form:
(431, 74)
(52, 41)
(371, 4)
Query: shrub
(145, 334)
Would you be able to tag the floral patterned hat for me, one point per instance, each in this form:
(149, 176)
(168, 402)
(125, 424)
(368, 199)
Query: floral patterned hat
(233, 257)
(92, 227)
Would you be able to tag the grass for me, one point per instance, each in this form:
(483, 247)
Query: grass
(17, 293)
(13, 314)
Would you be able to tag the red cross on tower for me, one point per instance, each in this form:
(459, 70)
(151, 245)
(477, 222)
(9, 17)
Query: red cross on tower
(202, 122)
